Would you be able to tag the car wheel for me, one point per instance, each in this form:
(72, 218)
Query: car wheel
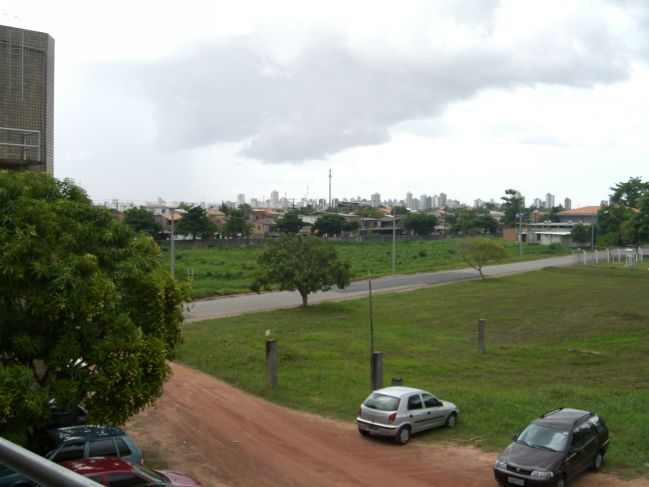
(363, 432)
(451, 421)
(562, 481)
(403, 435)
(597, 462)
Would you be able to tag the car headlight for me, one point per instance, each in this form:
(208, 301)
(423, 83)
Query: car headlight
(501, 464)
(542, 474)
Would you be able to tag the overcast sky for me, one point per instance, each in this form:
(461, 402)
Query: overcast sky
(203, 100)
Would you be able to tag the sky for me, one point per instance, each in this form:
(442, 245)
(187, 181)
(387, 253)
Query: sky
(200, 101)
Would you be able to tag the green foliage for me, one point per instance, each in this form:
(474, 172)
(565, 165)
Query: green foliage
(612, 225)
(237, 224)
(477, 251)
(400, 210)
(142, 220)
(368, 212)
(420, 223)
(512, 205)
(86, 309)
(196, 223)
(472, 221)
(639, 223)
(303, 264)
(629, 193)
(580, 234)
(574, 336)
(290, 222)
(330, 224)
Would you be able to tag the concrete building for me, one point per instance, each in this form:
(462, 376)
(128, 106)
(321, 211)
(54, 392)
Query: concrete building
(567, 204)
(26, 100)
(549, 200)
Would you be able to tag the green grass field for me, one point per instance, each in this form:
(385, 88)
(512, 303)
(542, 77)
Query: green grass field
(223, 271)
(574, 337)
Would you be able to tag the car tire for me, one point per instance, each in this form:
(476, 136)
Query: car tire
(403, 435)
(597, 461)
(451, 421)
(561, 482)
(363, 432)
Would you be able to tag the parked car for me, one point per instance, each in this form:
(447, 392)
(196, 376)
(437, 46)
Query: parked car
(553, 449)
(60, 418)
(118, 472)
(397, 412)
(75, 442)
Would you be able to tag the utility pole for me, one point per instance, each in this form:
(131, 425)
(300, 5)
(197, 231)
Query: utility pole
(329, 188)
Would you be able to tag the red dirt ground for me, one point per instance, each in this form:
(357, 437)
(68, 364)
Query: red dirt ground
(224, 437)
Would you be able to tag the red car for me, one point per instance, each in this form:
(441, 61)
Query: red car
(117, 472)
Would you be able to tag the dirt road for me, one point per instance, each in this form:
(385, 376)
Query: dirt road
(224, 437)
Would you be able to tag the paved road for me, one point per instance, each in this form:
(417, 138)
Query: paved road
(245, 303)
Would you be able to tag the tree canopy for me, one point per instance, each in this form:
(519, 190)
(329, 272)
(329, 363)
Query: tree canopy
(580, 234)
(368, 212)
(472, 221)
(237, 224)
(87, 313)
(420, 223)
(626, 219)
(305, 264)
(142, 220)
(478, 251)
(290, 222)
(512, 206)
(196, 223)
(629, 193)
(330, 224)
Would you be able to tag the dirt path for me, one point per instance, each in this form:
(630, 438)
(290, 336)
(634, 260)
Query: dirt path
(224, 437)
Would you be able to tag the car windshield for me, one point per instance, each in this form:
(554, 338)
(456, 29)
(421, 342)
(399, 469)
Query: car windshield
(151, 475)
(382, 402)
(538, 436)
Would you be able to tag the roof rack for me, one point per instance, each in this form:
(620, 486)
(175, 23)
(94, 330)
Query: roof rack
(551, 412)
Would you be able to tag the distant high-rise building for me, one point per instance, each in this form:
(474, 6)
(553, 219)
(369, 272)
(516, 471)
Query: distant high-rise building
(26, 100)
(435, 201)
(409, 200)
(442, 200)
(274, 199)
(478, 203)
(376, 200)
(549, 201)
(241, 199)
(567, 204)
(538, 203)
(425, 202)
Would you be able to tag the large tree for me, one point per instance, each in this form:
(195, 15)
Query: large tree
(290, 222)
(472, 221)
(196, 223)
(580, 234)
(630, 192)
(639, 222)
(330, 224)
(512, 206)
(478, 251)
(420, 223)
(305, 264)
(237, 224)
(87, 313)
(142, 220)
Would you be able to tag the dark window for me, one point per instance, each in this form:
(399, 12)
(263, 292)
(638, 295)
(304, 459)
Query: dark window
(582, 435)
(73, 451)
(122, 448)
(103, 448)
(414, 402)
(597, 422)
(430, 401)
(124, 480)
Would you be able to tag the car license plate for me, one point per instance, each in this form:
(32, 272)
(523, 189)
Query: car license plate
(515, 481)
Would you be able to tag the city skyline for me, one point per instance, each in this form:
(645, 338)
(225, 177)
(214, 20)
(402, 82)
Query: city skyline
(211, 100)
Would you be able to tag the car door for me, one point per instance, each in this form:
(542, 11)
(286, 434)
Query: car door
(435, 410)
(578, 456)
(417, 415)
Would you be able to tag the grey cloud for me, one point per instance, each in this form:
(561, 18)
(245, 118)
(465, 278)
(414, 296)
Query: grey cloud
(329, 98)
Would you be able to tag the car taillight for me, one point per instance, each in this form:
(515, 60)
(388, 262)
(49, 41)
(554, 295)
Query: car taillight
(392, 417)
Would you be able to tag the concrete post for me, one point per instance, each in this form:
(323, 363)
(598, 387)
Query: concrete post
(377, 370)
(271, 363)
(482, 325)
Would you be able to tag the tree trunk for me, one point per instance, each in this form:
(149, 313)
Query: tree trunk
(305, 297)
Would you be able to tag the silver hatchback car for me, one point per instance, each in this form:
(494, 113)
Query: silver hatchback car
(399, 411)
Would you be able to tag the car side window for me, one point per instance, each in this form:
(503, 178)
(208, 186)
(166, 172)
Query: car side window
(102, 448)
(414, 402)
(597, 422)
(122, 448)
(431, 401)
(582, 435)
(124, 480)
(71, 451)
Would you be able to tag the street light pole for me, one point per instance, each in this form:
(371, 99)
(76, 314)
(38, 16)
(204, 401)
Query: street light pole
(394, 243)
(172, 248)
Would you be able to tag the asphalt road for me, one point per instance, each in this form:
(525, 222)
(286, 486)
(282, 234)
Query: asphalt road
(246, 303)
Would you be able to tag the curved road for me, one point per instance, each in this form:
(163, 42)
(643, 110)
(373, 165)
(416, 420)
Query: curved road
(245, 303)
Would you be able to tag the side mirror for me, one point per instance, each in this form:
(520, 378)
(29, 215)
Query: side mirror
(514, 436)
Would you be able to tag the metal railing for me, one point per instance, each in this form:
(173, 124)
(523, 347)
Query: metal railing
(24, 145)
(38, 469)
